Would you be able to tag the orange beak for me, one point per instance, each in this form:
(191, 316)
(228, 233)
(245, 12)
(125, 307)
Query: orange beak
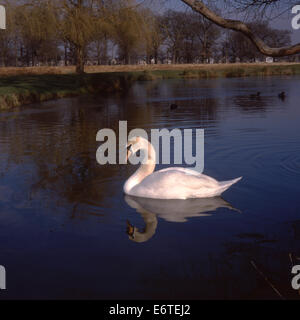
(128, 155)
(129, 152)
(130, 229)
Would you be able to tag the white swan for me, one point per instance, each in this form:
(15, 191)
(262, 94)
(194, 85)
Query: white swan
(170, 183)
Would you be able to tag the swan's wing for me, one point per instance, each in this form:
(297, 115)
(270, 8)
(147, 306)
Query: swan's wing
(189, 172)
(175, 183)
(184, 170)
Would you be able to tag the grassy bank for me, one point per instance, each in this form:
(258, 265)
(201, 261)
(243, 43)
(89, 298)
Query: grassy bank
(25, 89)
(20, 86)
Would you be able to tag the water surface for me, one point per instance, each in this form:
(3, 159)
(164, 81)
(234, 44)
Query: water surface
(63, 217)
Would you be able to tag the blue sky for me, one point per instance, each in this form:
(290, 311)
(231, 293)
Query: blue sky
(284, 22)
(280, 17)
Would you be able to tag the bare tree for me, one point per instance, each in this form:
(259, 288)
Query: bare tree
(174, 28)
(154, 35)
(207, 33)
(242, 27)
(187, 41)
(242, 48)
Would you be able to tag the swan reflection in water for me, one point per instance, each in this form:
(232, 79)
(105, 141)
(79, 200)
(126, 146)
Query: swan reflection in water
(170, 210)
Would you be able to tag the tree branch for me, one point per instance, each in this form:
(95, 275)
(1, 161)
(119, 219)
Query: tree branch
(239, 26)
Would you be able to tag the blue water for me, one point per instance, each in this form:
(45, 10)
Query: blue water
(63, 217)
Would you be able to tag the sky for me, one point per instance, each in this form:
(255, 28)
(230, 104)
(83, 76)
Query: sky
(284, 22)
(280, 17)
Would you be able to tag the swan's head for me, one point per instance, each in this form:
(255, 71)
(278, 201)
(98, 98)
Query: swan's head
(130, 230)
(135, 235)
(135, 144)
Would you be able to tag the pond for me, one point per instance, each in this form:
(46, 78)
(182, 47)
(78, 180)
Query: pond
(64, 217)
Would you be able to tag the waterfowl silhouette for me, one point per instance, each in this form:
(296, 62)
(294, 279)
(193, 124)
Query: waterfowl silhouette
(256, 95)
(282, 95)
(173, 106)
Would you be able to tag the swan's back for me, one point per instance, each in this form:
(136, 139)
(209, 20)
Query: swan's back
(179, 183)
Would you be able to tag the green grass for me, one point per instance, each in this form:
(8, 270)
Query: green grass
(19, 90)
(25, 89)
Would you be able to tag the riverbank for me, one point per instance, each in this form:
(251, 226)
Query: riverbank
(25, 89)
(19, 86)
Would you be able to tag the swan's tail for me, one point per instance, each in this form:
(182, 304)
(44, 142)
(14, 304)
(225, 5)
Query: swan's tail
(224, 185)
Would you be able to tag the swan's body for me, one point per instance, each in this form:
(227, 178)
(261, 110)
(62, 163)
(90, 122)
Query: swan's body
(170, 183)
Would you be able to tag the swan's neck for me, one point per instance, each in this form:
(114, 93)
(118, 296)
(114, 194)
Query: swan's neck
(150, 227)
(143, 171)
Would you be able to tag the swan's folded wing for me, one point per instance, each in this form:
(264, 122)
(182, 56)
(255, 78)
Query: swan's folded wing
(175, 184)
(196, 182)
(189, 172)
(180, 169)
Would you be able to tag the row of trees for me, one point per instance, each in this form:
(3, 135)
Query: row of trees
(43, 32)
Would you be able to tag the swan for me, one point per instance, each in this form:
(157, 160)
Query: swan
(170, 183)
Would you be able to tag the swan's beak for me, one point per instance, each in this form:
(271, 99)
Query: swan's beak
(130, 229)
(129, 152)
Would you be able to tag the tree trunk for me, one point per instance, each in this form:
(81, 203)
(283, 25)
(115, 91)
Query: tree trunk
(16, 53)
(127, 57)
(32, 57)
(156, 55)
(79, 60)
(105, 51)
(174, 56)
(66, 54)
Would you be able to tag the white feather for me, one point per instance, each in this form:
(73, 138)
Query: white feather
(171, 183)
